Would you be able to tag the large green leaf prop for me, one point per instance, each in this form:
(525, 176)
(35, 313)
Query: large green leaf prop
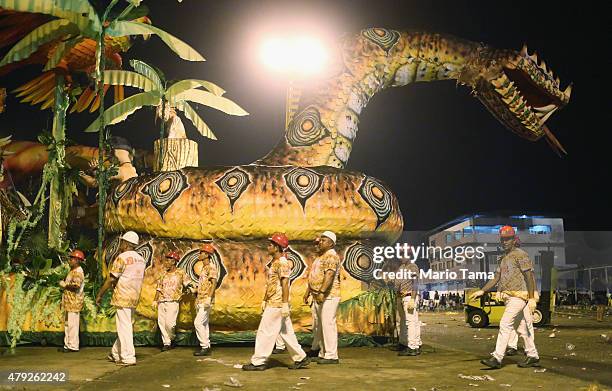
(187, 84)
(195, 119)
(123, 28)
(120, 111)
(78, 12)
(128, 79)
(38, 37)
(211, 100)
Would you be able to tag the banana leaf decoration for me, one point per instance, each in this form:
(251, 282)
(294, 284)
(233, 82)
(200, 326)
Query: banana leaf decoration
(59, 44)
(177, 96)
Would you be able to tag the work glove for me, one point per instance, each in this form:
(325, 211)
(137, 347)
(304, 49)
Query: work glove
(285, 310)
(263, 306)
(532, 304)
(477, 294)
(410, 304)
(62, 284)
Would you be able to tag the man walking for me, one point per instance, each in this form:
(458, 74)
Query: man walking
(125, 279)
(409, 324)
(276, 314)
(515, 280)
(72, 301)
(167, 297)
(324, 287)
(207, 284)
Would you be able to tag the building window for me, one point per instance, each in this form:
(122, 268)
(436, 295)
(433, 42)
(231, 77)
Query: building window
(539, 229)
(489, 229)
(468, 231)
(458, 235)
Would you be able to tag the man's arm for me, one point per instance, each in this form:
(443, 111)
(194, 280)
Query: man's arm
(108, 283)
(213, 287)
(531, 283)
(489, 285)
(285, 289)
(88, 180)
(328, 280)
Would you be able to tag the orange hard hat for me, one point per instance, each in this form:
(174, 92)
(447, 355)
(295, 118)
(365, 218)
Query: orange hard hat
(207, 248)
(174, 255)
(77, 254)
(280, 239)
(507, 232)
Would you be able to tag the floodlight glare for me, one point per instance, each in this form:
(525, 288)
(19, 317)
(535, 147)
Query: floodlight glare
(298, 56)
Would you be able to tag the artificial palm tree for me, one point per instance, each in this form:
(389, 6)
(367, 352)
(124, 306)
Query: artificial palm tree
(167, 98)
(74, 21)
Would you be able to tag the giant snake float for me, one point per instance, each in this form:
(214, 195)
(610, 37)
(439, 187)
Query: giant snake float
(301, 187)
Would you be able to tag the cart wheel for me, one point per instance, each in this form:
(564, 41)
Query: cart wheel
(478, 318)
(540, 318)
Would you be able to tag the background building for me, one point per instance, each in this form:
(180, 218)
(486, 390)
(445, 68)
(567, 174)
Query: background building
(536, 234)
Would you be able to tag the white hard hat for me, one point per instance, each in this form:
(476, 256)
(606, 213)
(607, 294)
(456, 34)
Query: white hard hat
(130, 236)
(331, 235)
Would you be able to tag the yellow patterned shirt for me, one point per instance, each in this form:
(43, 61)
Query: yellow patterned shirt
(204, 283)
(72, 300)
(328, 261)
(511, 279)
(170, 285)
(275, 270)
(128, 268)
(405, 286)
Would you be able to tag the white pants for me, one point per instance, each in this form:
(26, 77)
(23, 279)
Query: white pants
(516, 317)
(123, 348)
(272, 325)
(315, 328)
(201, 325)
(409, 325)
(280, 344)
(71, 330)
(513, 341)
(327, 330)
(167, 312)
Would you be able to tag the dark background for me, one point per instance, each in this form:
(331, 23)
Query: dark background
(436, 146)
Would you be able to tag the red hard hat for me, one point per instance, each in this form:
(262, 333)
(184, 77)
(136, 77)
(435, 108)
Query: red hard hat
(174, 255)
(77, 254)
(207, 248)
(280, 239)
(507, 232)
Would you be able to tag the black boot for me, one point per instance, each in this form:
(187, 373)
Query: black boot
(165, 348)
(328, 361)
(313, 353)
(491, 363)
(398, 348)
(511, 352)
(278, 351)
(202, 352)
(530, 362)
(301, 364)
(251, 367)
(66, 350)
(409, 352)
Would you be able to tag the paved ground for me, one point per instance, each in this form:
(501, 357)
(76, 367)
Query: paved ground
(451, 349)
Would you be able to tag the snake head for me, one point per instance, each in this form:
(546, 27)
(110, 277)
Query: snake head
(519, 91)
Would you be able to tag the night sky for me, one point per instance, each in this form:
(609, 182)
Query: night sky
(437, 147)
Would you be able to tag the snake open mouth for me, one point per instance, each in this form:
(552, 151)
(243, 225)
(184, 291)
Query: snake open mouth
(523, 94)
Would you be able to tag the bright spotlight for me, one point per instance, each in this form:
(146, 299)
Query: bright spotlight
(298, 56)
